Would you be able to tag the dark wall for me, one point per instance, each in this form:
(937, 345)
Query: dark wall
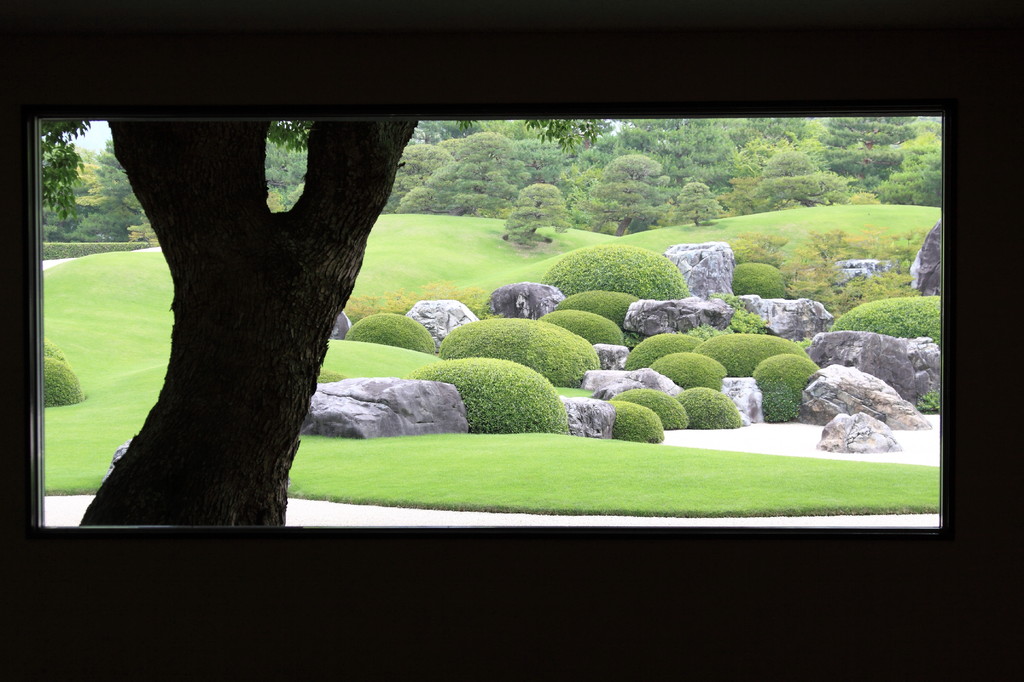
(532, 608)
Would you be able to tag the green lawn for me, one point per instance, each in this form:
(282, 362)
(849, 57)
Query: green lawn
(110, 314)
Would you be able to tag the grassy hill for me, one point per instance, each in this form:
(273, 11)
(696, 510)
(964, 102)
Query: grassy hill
(407, 251)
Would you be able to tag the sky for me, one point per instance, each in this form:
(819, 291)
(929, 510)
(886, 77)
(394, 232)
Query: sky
(95, 139)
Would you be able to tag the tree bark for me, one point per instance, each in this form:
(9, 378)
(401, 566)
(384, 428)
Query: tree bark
(623, 226)
(255, 297)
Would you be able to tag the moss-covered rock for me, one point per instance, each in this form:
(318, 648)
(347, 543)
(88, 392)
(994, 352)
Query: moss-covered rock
(501, 396)
(558, 354)
(617, 267)
(669, 410)
(740, 354)
(591, 326)
(689, 370)
(634, 422)
(710, 409)
(391, 329)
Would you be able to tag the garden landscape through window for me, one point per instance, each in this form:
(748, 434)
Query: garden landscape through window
(669, 319)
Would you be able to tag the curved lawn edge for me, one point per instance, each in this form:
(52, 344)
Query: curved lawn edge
(564, 475)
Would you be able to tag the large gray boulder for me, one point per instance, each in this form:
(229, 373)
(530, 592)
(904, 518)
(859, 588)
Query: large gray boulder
(118, 454)
(379, 407)
(649, 317)
(743, 391)
(837, 389)
(857, 433)
(529, 300)
(441, 316)
(926, 271)
(341, 326)
(910, 366)
(862, 267)
(707, 268)
(597, 379)
(795, 320)
(589, 418)
(611, 355)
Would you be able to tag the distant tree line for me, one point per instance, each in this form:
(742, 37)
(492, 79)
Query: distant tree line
(637, 174)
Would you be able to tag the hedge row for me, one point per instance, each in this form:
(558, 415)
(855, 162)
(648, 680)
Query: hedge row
(57, 250)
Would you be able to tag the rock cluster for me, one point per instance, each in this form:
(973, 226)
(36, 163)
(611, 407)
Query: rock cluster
(795, 320)
(707, 268)
(836, 389)
(743, 391)
(857, 433)
(910, 366)
(380, 407)
(649, 317)
(612, 356)
(525, 299)
(926, 271)
(341, 326)
(440, 317)
(607, 384)
(589, 417)
(862, 267)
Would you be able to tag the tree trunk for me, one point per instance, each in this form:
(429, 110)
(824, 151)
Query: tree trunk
(255, 297)
(623, 226)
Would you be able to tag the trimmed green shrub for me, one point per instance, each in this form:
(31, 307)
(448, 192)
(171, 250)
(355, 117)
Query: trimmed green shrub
(760, 279)
(782, 379)
(60, 385)
(669, 410)
(617, 267)
(591, 326)
(929, 403)
(559, 355)
(689, 370)
(51, 350)
(58, 250)
(329, 376)
(706, 331)
(710, 409)
(610, 304)
(637, 423)
(657, 346)
(743, 321)
(500, 396)
(742, 353)
(906, 318)
(391, 329)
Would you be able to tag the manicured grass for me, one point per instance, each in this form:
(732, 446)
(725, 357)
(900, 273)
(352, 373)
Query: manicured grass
(550, 474)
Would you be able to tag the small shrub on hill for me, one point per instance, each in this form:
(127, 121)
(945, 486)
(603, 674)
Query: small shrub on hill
(390, 329)
(618, 267)
(740, 354)
(710, 409)
(51, 350)
(669, 410)
(558, 354)
(905, 318)
(401, 301)
(743, 321)
(782, 379)
(60, 384)
(688, 370)
(500, 396)
(760, 279)
(591, 326)
(610, 304)
(328, 376)
(657, 346)
(634, 422)
(930, 403)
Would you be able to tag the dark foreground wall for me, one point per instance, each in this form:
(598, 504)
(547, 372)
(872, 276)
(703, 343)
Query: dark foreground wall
(536, 608)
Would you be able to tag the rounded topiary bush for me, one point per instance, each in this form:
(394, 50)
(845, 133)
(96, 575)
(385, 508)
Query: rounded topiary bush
(617, 267)
(51, 350)
(710, 409)
(610, 304)
(559, 355)
(591, 326)
(740, 354)
(761, 279)
(328, 376)
(60, 384)
(636, 423)
(669, 410)
(500, 396)
(657, 346)
(782, 379)
(391, 329)
(905, 318)
(689, 370)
